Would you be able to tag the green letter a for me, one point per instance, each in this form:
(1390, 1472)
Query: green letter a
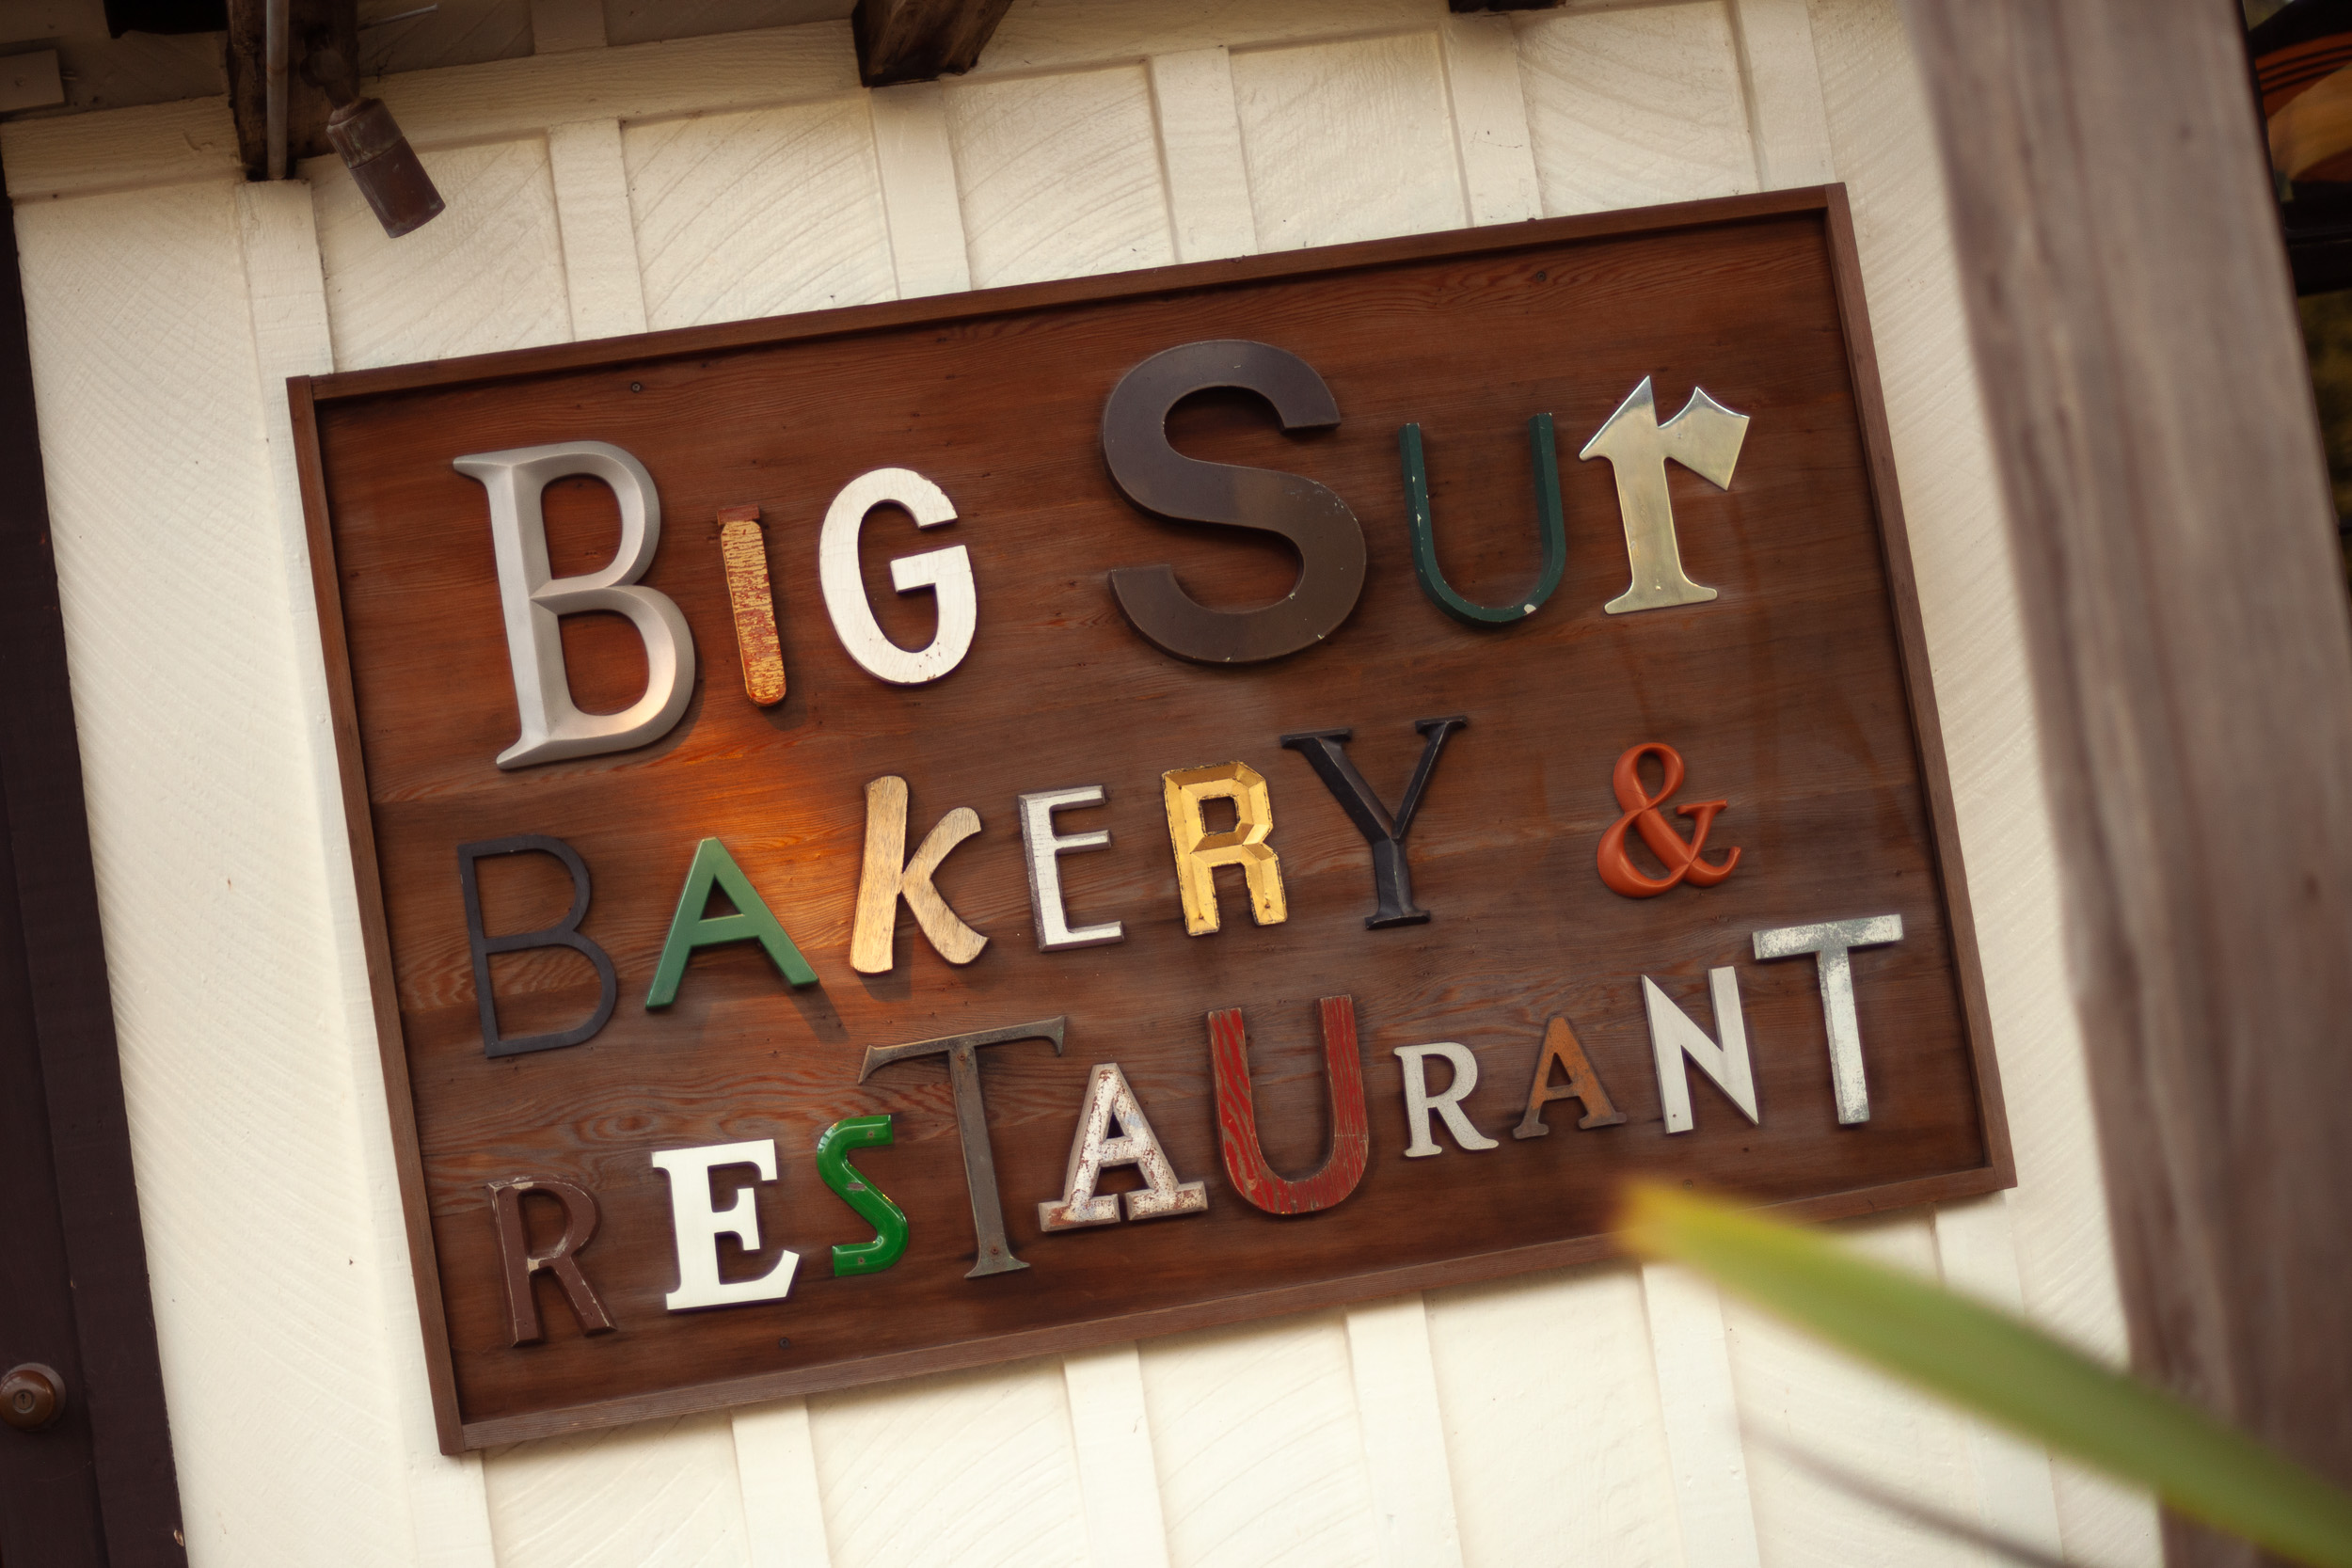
(689, 928)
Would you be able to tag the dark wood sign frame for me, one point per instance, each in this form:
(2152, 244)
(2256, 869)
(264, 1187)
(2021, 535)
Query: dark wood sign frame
(314, 398)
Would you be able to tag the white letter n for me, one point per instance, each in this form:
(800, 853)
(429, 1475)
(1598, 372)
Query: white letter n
(1673, 1037)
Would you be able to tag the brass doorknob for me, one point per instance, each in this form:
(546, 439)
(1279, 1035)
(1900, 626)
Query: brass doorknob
(31, 1397)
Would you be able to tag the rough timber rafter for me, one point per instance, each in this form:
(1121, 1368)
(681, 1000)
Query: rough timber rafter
(915, 41)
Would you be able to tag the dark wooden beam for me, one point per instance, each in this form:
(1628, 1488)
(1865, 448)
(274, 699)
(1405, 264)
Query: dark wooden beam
(2184, 602)
(315, 24)
(915, 41)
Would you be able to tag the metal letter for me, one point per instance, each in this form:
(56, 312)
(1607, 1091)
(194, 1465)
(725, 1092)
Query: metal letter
(884, 881)
(745, 548)
(872, 1204)
(698, 1225)
(1200, 852)
(1673, 1037)
(1704, 438)
(1043, 847)
(979, 1162)
(535, 603)
(563, 933)
(519, 1262)
(1095, 1150)
(1158, 478)
(692, 927)
(1551, 527)
(1830, 942)
(1237, 1115)
(1392, 875)
(1419, 1101)
(1562, 1046)
(947, 573)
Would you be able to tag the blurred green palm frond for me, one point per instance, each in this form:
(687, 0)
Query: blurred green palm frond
(2002, 1369)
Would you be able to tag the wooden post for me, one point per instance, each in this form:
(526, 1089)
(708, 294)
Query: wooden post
(2185, 610)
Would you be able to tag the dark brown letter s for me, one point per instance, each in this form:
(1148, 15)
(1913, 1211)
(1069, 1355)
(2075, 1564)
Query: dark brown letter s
(1156, 477)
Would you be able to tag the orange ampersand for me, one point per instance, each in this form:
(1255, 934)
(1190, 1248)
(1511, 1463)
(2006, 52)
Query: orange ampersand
(1681, 860)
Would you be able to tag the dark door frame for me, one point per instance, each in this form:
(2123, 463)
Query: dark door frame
(96, 1486)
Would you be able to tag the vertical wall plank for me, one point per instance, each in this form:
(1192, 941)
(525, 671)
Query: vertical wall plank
(1201, 155)
(1260, 1458)
(918, 182)
(287, 293)
(973, 1469)
(758, 213)
(1490, 134)
(659, 1495)
(1799, 1400)
(1405, 1453)
(1977, 1250)
(1787, 119)
(1059, 176)
(1701, 1414)
(600, 275)
(1110, 1430)
(1347, 141)
(776, 1465)
(239, 1084)
(1554, 1438)
(1629, 108)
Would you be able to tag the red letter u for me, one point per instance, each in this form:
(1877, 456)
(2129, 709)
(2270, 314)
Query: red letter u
(1238, 1115)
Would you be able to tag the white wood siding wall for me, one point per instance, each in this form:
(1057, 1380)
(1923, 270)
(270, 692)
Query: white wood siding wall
(1604, 1416)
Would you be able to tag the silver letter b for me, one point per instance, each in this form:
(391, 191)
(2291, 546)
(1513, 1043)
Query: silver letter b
(535, 604)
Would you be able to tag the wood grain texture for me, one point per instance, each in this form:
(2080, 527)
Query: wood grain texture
(1797, 1396)
(1404, 1433)
(758, 213)
(1555, 1440)
(928, 253)
(1885, 151)
(1346, 141)
(155, 144)
(1201, 155)
(506, 98)
(1110, 1430)
(487, 272)
(1699, 1410)
(601, 276)
(1059, 176)
(915, 40)
(1057, 36)
(1635, 107)
(1968, 615)
(285, 291)
(971, 1468)
(249, 956)
(662, 1495)
(422, 780)
(1781, 73)
(775, 1466)
(1262, 1459)
(96, 1486)
(1490, 110)
(2144, 392)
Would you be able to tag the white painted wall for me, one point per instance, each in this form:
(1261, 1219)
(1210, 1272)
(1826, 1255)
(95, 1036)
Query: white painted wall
(1593, 1415)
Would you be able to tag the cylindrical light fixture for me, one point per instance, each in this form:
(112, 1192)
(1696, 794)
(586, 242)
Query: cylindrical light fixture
(386, 168)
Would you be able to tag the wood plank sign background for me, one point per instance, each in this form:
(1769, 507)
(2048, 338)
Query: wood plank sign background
(1324, 825)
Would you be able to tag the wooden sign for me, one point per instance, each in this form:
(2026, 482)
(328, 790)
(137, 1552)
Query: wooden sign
(919, 835)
